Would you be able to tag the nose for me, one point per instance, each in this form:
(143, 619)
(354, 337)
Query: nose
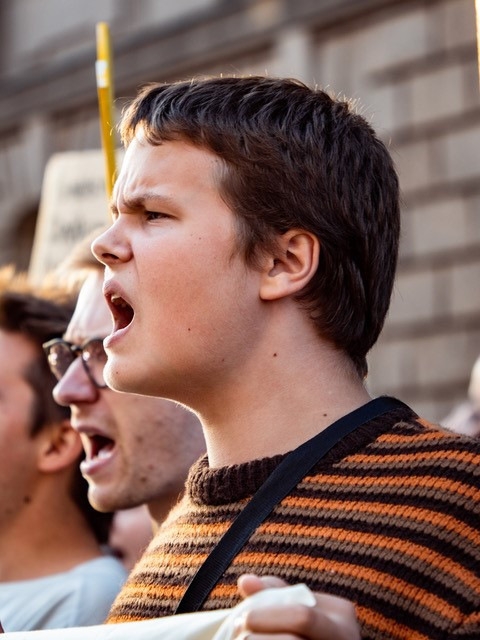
(75, 387)
(112, 246)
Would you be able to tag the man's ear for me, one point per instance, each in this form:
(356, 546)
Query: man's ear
(292, 266)
(60, 447)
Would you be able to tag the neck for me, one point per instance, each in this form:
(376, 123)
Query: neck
(48, 535)
(287, 393)
(160, 507)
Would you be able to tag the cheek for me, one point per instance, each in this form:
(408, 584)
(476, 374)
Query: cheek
(181, 287)
(16, 420)
(15, 448)
(183, 259)
(186, 287)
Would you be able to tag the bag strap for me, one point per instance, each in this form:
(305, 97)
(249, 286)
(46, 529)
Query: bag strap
(291, 470)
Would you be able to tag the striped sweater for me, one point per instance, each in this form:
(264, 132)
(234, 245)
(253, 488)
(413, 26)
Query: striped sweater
(388, 519)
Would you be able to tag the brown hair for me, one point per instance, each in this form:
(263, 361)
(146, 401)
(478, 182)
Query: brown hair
(39, 317)
(294, 157)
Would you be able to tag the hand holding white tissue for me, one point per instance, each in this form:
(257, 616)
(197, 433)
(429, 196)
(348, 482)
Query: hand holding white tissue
(261, 601)
(325, 617)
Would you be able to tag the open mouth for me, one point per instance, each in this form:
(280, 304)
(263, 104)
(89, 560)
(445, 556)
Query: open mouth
(122, 312)
(101, 446)
(99, 449)
(97, 446)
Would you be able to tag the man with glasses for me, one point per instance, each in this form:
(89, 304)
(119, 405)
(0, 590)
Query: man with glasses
(50, 537)
(138, 449)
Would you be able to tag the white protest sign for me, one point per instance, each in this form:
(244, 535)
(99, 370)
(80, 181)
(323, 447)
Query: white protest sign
(73, 203)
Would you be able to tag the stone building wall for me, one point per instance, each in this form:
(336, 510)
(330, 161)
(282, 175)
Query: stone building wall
(414, 70)
(410, 65)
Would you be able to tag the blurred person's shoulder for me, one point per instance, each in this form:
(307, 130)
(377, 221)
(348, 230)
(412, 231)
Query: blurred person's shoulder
(78, 597)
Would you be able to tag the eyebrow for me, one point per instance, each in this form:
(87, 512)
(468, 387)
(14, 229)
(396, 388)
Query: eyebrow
(138, 202)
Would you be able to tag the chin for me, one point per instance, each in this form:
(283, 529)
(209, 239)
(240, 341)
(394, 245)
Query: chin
(116, 379)
(121, 377)
(99, 503)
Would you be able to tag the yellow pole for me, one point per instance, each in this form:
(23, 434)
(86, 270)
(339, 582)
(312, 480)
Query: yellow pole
(477, 11)
(104, 73)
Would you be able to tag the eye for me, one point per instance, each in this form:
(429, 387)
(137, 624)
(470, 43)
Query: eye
(154, 215)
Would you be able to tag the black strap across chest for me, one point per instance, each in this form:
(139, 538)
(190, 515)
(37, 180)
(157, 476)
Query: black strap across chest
(291, 470)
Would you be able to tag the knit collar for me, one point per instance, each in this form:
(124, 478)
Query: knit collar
(230, 484)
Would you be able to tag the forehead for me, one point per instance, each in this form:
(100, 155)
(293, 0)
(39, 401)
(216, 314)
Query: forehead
(175, 169)
(91, 318)
(17, 351)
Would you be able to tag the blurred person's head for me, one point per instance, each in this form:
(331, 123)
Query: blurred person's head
(39, 451)
(290, 157)
(138, 449)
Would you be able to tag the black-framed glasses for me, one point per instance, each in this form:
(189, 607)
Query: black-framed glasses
(61, 353)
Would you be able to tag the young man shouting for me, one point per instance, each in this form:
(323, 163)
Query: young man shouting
(249, 270)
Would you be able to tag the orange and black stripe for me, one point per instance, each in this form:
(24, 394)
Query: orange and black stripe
(388, 519)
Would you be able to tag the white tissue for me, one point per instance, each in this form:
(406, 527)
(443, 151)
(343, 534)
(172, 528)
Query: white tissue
(298, 594)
